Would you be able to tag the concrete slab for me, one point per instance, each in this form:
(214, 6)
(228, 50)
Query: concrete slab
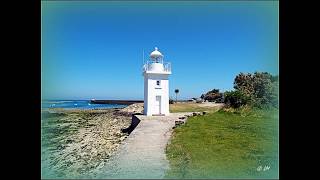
(142, 155)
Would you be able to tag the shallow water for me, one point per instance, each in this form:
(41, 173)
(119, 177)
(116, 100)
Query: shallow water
(77, 104)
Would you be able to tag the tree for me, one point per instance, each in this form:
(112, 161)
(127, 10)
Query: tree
(176, 91)
(212, 95)
(214, 91)
(243, 83)
(261, 88)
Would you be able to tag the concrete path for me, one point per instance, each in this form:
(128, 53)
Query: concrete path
(142, 155)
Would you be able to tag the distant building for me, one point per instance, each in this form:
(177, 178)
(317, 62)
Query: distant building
(156, 85)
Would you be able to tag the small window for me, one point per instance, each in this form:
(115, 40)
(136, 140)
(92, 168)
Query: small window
(158, 83)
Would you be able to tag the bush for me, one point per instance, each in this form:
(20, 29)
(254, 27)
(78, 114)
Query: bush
(235, 99)
(258, 90)
(261, 88)
(212, 95)
(170, 101)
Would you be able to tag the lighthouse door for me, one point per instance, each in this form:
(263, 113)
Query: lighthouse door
(158, 105)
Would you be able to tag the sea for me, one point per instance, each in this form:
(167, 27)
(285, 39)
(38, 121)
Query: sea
(77, 104)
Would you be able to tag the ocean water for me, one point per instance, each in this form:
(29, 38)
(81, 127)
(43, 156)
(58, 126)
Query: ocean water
(77, 104)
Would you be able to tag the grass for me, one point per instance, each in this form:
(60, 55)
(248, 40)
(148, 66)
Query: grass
(190, 107)
(226, 145)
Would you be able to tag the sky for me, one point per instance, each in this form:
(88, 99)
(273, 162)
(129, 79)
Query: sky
(95, 49)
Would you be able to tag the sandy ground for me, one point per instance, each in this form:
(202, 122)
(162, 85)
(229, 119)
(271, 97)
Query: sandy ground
(209, 104)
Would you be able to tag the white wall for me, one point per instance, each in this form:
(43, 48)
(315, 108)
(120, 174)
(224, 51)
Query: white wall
(151, 90)
(145, 106)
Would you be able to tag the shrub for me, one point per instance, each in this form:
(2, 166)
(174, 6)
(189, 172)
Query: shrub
(170, 101)
(261, 88)
(235, 98)
(212, 95)
(258, 90)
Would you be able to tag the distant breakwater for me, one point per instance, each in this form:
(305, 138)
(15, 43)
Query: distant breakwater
(125, 102)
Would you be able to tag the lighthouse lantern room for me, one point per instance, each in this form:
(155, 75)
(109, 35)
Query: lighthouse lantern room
(156, 85)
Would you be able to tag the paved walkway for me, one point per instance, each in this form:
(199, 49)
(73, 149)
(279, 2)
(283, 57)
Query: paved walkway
(142, 155)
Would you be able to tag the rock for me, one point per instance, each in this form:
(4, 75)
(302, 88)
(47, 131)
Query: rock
(89, 143)
(69, 141)
(177, 123)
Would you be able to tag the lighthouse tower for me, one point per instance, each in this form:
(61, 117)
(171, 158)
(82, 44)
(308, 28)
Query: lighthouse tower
(156, 85)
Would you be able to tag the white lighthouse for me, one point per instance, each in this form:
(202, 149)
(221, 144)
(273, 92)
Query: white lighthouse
(156, 85)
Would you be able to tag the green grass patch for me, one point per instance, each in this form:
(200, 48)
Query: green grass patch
(240, 144)
(190, 107)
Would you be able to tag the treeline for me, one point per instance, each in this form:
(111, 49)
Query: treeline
(259, 90)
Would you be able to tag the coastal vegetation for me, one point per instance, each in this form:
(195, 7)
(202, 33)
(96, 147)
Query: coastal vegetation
(227, 144)
(257, 90)
(213, 95)
(237, 141)
(192, 107)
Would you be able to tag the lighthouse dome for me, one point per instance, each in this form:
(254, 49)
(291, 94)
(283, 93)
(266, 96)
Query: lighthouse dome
(155, 54)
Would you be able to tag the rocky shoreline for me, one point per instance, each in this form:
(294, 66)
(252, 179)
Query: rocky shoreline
(77, 142)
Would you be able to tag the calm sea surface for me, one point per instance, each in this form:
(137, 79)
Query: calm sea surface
(77, 104)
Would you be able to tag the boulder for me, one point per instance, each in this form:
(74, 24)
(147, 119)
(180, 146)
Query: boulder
(178, 123)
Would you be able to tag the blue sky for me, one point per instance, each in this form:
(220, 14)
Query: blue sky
(94, 49)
